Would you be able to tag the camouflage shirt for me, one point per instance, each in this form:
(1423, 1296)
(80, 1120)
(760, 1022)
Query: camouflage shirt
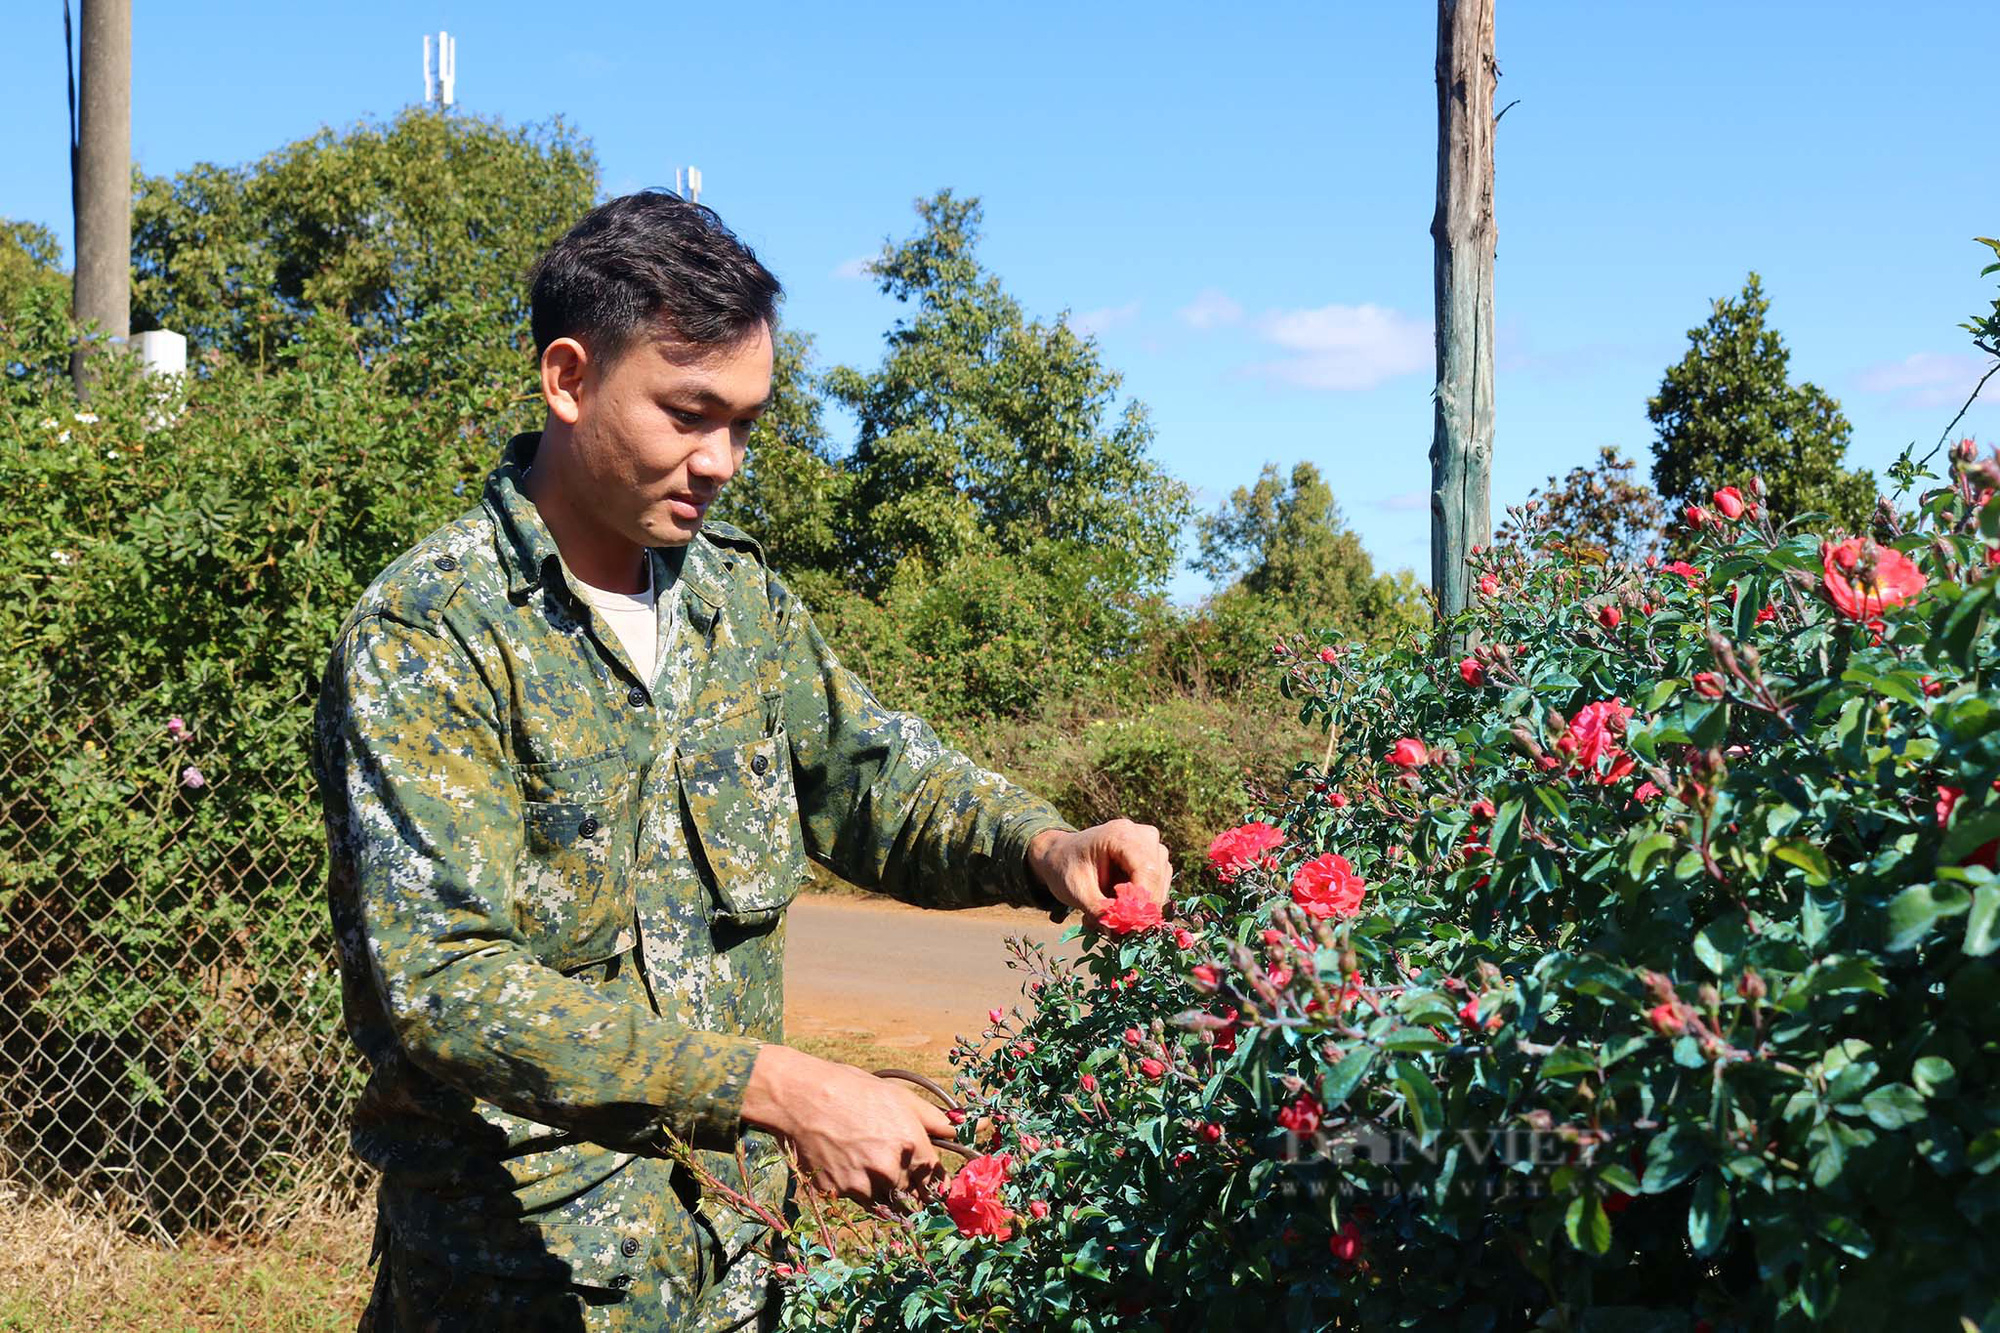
(558, 890)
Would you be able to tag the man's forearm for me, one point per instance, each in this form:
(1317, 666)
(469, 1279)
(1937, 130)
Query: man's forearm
(502, 1027)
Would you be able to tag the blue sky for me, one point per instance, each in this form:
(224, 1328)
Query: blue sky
(1237, 199)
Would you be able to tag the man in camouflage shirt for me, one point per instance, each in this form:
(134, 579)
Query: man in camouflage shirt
(562, 847)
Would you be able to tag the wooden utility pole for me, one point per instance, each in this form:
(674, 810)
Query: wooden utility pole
(1462, 235)
(103, 178)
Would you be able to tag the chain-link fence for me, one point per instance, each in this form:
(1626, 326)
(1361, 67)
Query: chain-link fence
(170, 1041)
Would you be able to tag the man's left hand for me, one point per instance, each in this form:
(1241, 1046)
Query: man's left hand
(1081, 868)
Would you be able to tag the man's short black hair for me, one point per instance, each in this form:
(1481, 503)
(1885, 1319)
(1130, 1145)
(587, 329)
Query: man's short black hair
(649, 261)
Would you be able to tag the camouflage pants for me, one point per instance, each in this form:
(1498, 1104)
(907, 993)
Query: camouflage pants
(417, 1294)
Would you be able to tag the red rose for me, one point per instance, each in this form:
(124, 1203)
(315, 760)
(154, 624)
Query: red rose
(1863, 579)
(1328, 655)
(1183, 938)
(1327, 886)
(1225, 1036)
(1242, 847)
(1488, 585)
(1708, 685)
(1088, 1083)
(1205, 976)
(1693, 576)
(1931, 686)
(1302, 1115)
(995, 1015)
(1646, 791)
(973, 1198)
(1593, 730)
(1768, 614)
(1039, 1209)
(1609, 616)
(1471, 672)
(1346, 1243)
(1695, 515)
(1410, 753)
(1984, 855)
(1132, 909)
(1338, 800)
(1730, 501)
(1666, 1019)
(1210, 1133)
(1133, 1036)
(1152, 1068)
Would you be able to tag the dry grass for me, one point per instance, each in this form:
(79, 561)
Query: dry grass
(65, 1268)
(855, 1048)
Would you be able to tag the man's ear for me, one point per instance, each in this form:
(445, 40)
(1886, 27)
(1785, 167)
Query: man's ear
(565, 363)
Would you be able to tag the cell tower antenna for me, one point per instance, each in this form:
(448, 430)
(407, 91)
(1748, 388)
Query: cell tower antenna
(694, 185)
(430, 85)
(447, 67)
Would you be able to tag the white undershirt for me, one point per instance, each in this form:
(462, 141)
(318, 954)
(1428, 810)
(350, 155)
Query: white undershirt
(631, 618)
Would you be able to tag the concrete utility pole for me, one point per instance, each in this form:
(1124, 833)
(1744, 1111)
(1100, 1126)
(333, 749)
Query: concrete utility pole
(1463, 234)
(103, 183)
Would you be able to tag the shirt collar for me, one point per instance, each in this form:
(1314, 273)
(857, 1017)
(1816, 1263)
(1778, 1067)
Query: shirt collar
(523, 541)
(526, 548)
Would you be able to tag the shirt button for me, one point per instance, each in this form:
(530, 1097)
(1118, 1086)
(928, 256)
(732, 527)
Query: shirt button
(636, 697)
(628, 1247)
(759, 764)
(446, 563)
(588, 828)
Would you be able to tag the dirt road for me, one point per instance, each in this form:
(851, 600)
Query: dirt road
(878, 973)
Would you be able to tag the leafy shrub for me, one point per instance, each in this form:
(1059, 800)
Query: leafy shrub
(1667, 1003)
(184, 551)
(1164, 765)
(984, 637)
(419, 229)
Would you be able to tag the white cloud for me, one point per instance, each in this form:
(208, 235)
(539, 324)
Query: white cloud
(1342, 347)
(1210, 309)
(1930, 379)
(854, 269)
(1406, 503)
(1091, 323)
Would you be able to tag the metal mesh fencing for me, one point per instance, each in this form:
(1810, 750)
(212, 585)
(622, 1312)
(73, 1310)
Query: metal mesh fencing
(170, 1038)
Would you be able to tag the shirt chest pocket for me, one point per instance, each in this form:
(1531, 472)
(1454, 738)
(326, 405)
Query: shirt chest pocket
(574, 902)
(741, 811)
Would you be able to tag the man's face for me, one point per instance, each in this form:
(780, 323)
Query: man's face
(662, 428)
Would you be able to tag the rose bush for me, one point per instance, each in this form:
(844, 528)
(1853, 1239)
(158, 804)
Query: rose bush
(1638, 975)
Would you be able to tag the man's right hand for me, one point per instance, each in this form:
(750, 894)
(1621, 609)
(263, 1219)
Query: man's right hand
(858, 1136)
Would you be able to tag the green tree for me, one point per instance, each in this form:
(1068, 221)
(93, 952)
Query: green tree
(1727, 412)
(1596, 511)
(1284, 541)
(792, 490)
(34, 301)
(418, 232)
(985, 431)
(1284, 562)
